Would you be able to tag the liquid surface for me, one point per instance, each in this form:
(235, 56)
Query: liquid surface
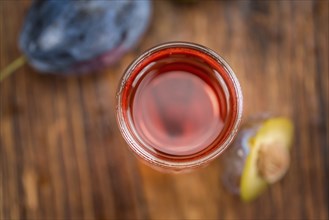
(176, 110)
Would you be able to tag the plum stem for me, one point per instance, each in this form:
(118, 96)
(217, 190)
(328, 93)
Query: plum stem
(12, 67)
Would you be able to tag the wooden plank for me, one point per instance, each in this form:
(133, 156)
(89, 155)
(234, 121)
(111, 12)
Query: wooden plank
(62, 155)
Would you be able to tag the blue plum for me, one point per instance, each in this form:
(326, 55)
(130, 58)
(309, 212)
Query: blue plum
(71, 36)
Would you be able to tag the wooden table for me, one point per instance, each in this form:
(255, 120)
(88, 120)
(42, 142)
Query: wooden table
(62, 156)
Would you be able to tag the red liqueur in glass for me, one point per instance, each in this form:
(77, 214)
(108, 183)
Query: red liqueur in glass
(179, 106)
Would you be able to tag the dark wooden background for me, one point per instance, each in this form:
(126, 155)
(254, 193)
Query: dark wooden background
(62, 156)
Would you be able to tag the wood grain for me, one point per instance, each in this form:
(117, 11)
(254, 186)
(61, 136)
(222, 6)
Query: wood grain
(62, 156)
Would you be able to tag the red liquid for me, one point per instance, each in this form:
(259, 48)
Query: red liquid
(177, 107)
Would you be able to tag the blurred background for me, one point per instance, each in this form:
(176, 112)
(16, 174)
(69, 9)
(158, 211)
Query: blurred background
(62, 155)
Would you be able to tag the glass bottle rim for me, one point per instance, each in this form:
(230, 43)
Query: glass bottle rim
(177, 165)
